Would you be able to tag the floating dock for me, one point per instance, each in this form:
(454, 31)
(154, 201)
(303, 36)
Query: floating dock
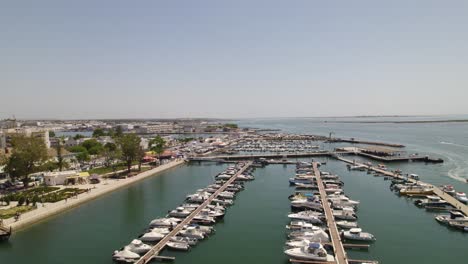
(161, 244)
(437, 191)
(338, 249)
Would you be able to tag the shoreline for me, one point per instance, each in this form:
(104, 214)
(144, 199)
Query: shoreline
(42, 213)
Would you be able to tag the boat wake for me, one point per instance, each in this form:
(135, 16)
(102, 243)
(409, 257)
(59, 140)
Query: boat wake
(460, 171)
(453, 144)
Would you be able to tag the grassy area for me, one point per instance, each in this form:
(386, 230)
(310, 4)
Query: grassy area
(105, 170)
(30, 193)
(8, 213)
(61, 195)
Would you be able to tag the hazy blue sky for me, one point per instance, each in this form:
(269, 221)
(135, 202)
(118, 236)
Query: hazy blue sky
(111, 59)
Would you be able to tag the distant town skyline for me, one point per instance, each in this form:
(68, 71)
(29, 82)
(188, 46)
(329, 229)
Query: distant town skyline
(242, 59)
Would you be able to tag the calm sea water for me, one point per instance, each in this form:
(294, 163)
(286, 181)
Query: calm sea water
(253, 230)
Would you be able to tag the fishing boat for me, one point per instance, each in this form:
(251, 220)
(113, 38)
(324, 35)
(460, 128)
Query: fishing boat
(357, 234)
(136, 246)
(313, 251)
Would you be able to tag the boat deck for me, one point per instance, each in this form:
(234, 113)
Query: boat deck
(161, 244)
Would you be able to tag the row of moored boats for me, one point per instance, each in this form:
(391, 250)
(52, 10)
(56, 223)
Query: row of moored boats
(201, 225)
(308, 235)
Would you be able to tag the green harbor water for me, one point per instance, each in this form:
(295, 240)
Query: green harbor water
(253, 230)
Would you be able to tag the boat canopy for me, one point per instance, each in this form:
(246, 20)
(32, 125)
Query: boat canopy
(314, 245)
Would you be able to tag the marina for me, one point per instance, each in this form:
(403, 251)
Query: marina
(154, 251)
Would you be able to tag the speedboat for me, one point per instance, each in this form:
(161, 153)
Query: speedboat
(192, 232)
(180, 212)
(152, 236)
(188, 240)
(309, 216)
(432, 201)
(448, 189)
(299, 225)
(125, 255)
(346, 224)
(318, 235)
(178, 245)
(309, 203)
(357, 234)
(313, 251)
(243, 177)
(345, 214)
(165, 222)
(136, 246)
(226, 195)
(454, 216)
(460, 196)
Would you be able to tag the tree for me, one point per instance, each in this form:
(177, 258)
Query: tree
(29, 154)
(118, 131)
(77, 149)
(98, 132)
(92, 146)
(78, 136)
(129, 146)
(82, 157)
(110, 153)
(59, 149)
(157, 145)
(51, 133)
(141, 155)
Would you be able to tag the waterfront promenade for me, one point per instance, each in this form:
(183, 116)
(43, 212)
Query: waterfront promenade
(106, 186)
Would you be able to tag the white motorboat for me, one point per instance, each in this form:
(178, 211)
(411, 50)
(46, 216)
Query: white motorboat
(223, 201)
(357, 234)
(461, 196)
(432, 201)
(188, 240)
(136, 246)
(243, 177)
(226, 194)
(178, 245)
(454, 216)
(212, 213)
(343, 201)
(318, 235)
(345, 214)
(152, 236)
(125, 255)
(161, 230)
(299, 225)
(448, 189)
(165, 222)
(223, 177)
(313, 251)
(296, 243)
(192, 232)
(180, 212)
(204, 219)
(309, 203)
(309, 216)
(346, 224)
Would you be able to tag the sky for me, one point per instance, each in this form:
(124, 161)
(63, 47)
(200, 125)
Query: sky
(232, 59)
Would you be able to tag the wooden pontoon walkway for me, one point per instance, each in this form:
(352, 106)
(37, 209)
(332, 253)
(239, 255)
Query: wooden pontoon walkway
(437, 191)
(161, 244)
(340, 253)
